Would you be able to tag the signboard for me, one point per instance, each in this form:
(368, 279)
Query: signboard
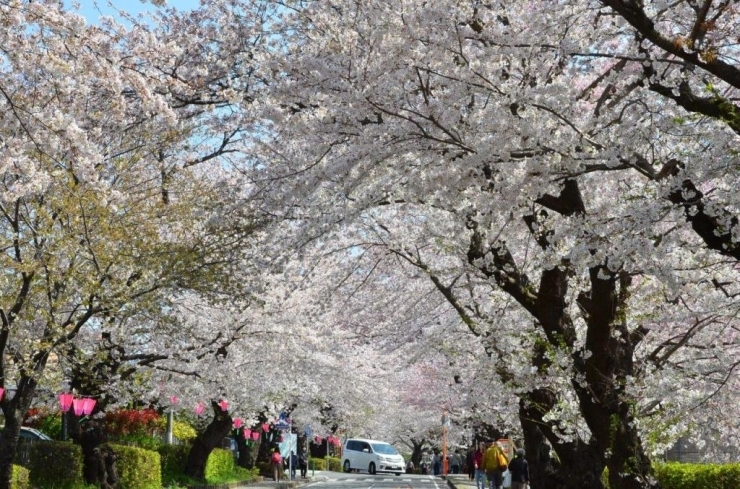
(289, 444)
(283, 422)
(507, 446)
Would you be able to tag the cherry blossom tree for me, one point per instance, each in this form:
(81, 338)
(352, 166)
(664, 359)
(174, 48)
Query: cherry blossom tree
(112, 197)
(565, 170)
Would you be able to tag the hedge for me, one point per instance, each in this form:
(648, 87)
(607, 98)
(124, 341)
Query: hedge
(55, 464)
(20, 478)
(138, 468)
(335, 464)
(173, 459)
(692, 476)
(220, 464)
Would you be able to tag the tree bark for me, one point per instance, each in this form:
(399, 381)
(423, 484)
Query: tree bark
(99, 468)
(248, 451)
(217, 430)
(14, 408)
(600, 369)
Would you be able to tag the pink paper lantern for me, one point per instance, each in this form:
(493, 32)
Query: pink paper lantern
(319, 440)
(247, 433)
(77, 405)
(337, 442)
(223, 404)
(1, 393)
(238, 423)
(265, 427)
(174, 400)
(255, 435)
(199, 408)
(65, 402)
(88, 404)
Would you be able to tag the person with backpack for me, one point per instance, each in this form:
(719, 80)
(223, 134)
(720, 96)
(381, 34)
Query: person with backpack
(519, 469)
(276, 462)
(494, 464)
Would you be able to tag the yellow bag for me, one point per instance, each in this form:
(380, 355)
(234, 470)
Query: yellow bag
(503, 463)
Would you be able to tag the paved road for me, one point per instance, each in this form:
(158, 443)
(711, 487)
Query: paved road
(380, 481)
(336, 480)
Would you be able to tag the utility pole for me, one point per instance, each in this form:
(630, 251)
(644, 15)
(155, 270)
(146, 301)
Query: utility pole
(445, 425)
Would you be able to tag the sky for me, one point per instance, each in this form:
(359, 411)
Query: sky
(92, 12)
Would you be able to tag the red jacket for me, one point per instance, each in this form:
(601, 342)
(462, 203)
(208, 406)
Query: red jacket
(478, 459)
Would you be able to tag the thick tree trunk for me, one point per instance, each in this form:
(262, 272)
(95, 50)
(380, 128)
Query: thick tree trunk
(578, 464)
(8, 446)
(606, 368)
(248, 452)
(601, 368)
(204, 444)
(14, 408)
(416, 452)
(99, 468)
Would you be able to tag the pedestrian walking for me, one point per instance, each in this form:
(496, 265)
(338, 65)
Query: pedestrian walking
(293, 465)
(494, 464)
(470, 462)
(276, 462)
(455, 460)
(480, 474)
(437, 463)
(519, 469)
(303, 464)
(410, 467)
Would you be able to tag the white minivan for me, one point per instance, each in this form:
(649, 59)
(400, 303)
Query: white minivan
(371, 455)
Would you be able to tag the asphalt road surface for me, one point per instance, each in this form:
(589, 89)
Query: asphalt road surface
(380, 481)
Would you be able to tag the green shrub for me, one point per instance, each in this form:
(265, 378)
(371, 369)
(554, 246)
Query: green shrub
(146, 442)
(138, 468)
(219, 465)
(316, 464)
(172, 461)
(20, 479)
(335, 464)
(692, 476)
(55, 464)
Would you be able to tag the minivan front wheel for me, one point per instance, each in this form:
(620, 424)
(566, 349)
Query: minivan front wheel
(346, 466)
(371, 469)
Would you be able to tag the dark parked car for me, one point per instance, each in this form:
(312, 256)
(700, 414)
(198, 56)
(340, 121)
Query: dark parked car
(27, 437)
(31, 434)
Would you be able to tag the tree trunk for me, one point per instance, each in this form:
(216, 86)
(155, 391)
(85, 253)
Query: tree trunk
(604, 404)
(8, 446)
(99, 468)
(14, 409)
(248, 452)
(416, 452)
(578, 464)
(204, 444)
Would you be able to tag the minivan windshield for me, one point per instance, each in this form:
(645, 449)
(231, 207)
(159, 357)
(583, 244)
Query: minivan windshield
(384, 448)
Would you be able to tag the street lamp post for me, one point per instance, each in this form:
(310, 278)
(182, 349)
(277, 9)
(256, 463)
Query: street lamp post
(169, 438)
(65, 404)
(445, 425)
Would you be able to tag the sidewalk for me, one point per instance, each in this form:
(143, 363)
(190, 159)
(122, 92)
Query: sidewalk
(460, 481)
(285, 483)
